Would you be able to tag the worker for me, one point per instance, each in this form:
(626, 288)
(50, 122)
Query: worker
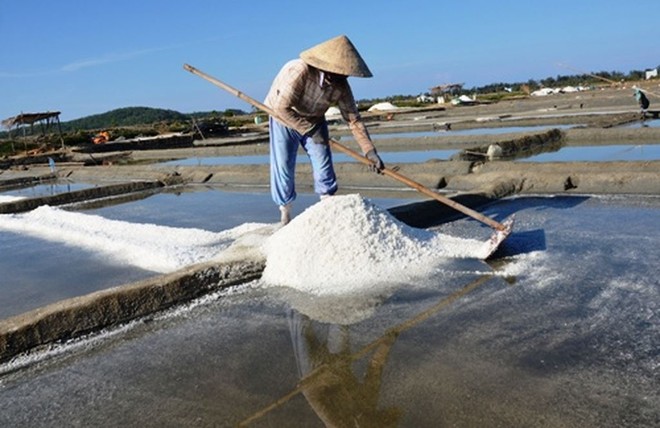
(300, 95)
(642, 100)
(337, 391)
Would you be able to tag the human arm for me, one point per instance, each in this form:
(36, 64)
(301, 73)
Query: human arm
(351, 114)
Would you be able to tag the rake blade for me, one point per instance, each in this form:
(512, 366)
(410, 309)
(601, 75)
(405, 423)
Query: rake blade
(496, 239)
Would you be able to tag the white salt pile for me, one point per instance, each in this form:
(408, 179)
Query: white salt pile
(347, 244)
(148, 246)
(383, 107)
(10, 198)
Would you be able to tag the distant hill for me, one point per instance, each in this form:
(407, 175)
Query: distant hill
(123, 117)
(141, 116)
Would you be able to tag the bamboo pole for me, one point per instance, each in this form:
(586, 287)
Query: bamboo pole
(336, 145)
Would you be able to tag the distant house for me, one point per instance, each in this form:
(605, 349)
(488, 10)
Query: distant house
(425, 99)
(444, 93)
(27, 121)
(451, 88)
(651, 73)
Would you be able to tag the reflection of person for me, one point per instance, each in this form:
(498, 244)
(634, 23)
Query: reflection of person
(328, 383)
(300, 95)
(642, 100)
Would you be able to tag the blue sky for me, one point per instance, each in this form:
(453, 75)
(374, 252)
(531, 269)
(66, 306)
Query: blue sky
(86, 57)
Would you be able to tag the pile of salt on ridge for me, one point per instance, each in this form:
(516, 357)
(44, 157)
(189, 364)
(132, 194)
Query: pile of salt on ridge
(151, 247)
(346, 244)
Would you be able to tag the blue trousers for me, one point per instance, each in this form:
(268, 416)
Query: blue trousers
(284, 144)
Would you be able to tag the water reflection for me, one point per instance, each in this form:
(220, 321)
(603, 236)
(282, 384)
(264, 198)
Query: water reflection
(652, 123)
(46, 189)
(329, 382)
(342, 309)
(339, 393)
(618, 152)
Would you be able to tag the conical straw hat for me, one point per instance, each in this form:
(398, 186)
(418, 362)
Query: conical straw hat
(338, 56)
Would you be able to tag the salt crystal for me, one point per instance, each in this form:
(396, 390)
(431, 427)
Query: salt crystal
(148, 246)
(10, 198)
(347, 244)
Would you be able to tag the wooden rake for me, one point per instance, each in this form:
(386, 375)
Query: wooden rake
(502, 230)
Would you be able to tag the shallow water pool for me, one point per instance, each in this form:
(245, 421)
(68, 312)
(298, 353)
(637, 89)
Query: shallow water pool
(618, 152)
(399, 156)
(471, 131)
(42, 265)
(562, 331)
(41, 190)
(388, 157)
(652, 123)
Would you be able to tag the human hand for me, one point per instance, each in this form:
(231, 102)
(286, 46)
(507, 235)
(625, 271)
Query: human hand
(377, 164)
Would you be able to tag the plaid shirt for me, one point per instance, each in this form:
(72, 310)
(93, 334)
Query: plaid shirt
(301, 94)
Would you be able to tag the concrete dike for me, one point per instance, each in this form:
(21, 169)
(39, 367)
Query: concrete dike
(83, 195)
(72, 318)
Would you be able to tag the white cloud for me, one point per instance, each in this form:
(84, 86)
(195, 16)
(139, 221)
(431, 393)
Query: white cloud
(87, 62)
(109, 58)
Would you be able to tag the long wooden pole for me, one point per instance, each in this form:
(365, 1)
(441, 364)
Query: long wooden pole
(355, 155)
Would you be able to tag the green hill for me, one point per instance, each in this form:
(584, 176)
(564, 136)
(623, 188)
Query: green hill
(124, 117)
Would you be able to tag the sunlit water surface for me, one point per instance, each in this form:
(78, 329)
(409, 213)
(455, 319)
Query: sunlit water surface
(561, 331)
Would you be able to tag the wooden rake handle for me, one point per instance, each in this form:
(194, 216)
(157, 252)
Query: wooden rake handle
(355, 155)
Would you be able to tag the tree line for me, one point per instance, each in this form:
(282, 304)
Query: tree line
(136, 116)
(140, 116)
(560, 81)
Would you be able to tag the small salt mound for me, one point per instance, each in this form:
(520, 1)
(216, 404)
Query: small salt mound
(332, 113)
(383, 107)
(347, 244)
(10, 198)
